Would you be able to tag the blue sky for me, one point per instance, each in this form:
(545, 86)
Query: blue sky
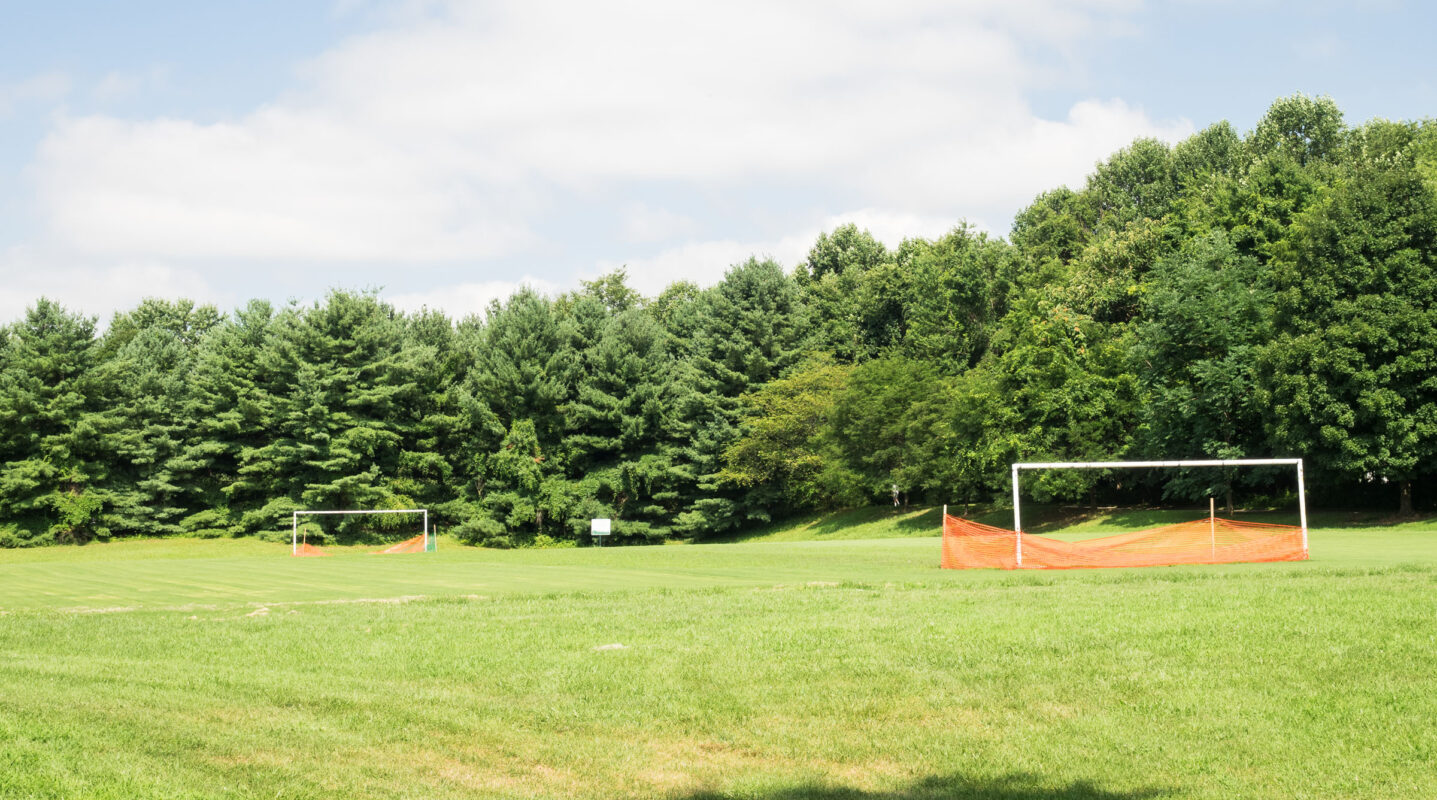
(448, 151)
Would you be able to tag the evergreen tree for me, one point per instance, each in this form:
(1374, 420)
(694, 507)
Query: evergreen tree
(337, 378)
(148, 356)
(187, 321)
(150, 433)
(431, 424)
(511, 510)
(229, 412)
(751, 328)
(52, 426)
(523, 365)
(621, 442)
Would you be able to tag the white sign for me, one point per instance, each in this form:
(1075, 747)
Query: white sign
(599, 527)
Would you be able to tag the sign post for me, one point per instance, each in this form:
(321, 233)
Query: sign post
(599, 529)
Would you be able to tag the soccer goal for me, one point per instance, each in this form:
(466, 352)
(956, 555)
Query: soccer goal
(423, 543)
(1207, 541)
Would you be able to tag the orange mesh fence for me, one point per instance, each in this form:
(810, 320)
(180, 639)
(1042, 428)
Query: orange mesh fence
(307, 549)
(415, 545)
(968, 545)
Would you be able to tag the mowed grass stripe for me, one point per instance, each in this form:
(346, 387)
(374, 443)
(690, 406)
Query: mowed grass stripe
(278, 578)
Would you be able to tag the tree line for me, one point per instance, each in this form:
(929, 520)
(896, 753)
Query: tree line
(1273, 293)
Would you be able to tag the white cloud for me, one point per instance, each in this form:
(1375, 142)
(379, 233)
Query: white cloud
(890, 227)
(47, 87)
(284, 184)
(705, 262)
(98, 292)
(460, 131)
(1001, 168)
(116, 87)
(461, 300)
(643, 223)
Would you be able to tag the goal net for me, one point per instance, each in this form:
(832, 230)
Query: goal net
(424, 542)
(968, 544)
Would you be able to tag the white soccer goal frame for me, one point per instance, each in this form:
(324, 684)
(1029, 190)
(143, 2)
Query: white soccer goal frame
(1231, 462)
(294, 522)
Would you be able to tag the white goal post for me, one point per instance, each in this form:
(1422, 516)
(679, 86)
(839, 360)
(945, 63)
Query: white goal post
(294, 541)
(1232, 462)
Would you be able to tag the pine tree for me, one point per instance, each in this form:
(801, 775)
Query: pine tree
(228, 410)
(751, 328)
(148, 355)
(621, 448)
(523, 364)
(431, 459)
(522, 367)
(52, 424)
(337, 380)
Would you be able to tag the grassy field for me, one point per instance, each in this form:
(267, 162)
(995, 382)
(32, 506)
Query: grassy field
(796, 665)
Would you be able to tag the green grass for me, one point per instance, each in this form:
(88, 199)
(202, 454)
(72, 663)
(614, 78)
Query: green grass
(821, 667)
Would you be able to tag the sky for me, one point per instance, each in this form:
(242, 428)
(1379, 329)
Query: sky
(444, 152)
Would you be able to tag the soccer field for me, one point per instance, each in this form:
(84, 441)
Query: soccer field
(850, 669)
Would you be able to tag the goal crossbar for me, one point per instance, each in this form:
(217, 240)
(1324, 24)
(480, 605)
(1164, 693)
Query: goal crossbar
(1230, 462)
(294, 520)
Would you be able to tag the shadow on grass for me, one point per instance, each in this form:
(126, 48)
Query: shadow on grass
(926, 522)
(912, 521)
(906, 521)
(947, 787)
(1136, 519)
(1369, 519)
(1044, 518)
(1057, 518)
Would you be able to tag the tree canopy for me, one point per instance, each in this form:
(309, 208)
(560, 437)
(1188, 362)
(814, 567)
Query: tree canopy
(1229, 295)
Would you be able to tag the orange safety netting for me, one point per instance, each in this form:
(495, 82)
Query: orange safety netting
(307, 549)
(968, 544)
(415, 545)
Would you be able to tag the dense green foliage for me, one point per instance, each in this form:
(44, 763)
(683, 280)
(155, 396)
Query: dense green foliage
(1268, 294)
